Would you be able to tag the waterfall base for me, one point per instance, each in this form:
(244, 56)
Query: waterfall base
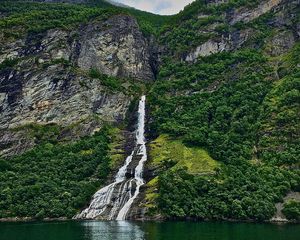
(114, 201)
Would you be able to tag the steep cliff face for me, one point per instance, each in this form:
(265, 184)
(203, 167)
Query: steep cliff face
(116, 48)
(48, 80)
(246, 15)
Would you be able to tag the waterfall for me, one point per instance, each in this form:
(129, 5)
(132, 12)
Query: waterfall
(115, 200)
(142, 152)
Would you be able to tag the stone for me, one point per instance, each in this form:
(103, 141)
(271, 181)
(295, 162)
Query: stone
(246, 15)
(118, 50)
(281, 43)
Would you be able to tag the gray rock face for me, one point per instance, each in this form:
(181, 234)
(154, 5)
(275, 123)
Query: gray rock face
(216, 2)
(50, 83)
(224, 43)
(12, 143)
(208, 48)
(246, 15)
(57, 96)
(117, 48)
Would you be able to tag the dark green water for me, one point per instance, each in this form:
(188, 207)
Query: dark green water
(149, 231)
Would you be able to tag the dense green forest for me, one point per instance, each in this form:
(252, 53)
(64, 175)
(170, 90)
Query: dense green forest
(227, 117)
(34, 17)
(53, 179)
(240, 106)
(292, 210)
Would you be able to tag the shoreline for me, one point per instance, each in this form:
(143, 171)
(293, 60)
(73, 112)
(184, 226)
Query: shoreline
(64, 219)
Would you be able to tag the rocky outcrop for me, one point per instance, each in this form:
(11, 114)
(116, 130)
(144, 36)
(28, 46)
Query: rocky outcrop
(208, 48)
(14, 142)
(281, 43)
(246, 15)
(279, 216)
(49, 81)
(224, 43)
(216, 2)
(117, 48)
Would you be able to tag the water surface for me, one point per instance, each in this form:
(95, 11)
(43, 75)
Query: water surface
(125, 230)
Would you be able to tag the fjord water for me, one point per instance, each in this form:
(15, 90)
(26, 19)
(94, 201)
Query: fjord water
(114, 201)
(124, 230)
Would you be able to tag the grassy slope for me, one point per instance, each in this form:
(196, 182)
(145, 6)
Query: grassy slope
(279, 141)
(167, 151)
(171, 154)
(117, 154)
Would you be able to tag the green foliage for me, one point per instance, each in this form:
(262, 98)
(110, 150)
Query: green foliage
(220, 111)
(201, 6)
(43, 133)
(33, 17)
(291, 210)
(241, 191)
(237, 107)
(200, 21)
(111, 82)
(4, 165)
(231, 105)
(149, 23)
(8, 63)
(281, 121)
(280, 124)
(53, 180)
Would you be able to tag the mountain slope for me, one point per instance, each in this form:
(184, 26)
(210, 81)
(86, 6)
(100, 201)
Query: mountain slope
(222, 79)
(66, 75)
(229, 85)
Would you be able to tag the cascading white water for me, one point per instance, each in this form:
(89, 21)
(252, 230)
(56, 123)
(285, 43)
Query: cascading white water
(115, 200)
(142, 151)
